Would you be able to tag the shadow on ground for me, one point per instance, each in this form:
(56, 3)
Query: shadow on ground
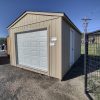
(76, 70)
(4, 60)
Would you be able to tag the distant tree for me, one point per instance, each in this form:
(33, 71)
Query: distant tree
(2, 41)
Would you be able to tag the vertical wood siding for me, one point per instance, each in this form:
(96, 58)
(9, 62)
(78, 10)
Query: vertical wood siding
(66, 46)
(8, 45)
(77, 45)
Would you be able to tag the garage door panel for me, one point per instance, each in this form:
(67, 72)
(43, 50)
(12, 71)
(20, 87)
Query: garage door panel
(34, 44)
(43, 59)
(43, 33)
(43, 44)
(43, 54)
(35, 53)
(43, 49)
(32, 49)
(43, 65)
(43, 39)
(31, 63)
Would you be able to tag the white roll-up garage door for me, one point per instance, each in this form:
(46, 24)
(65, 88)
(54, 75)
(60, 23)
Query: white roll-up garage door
(32, 49)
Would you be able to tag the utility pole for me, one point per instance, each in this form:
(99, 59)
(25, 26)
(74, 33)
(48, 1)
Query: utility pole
(85, 25)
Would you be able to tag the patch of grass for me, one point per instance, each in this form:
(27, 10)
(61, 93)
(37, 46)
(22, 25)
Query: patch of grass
(82, 48)
(94, 86)
(93, 49)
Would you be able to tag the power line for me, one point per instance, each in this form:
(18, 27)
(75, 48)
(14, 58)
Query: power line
(85, 24)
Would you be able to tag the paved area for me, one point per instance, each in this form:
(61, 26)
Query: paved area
(19, 84)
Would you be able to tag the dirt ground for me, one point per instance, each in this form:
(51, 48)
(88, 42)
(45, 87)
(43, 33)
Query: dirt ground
(19, 84)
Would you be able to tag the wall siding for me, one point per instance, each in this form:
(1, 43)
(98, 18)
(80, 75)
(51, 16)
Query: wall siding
(66, 46)
(8, 45)
(77, 45)
(54, 26)
(31, 18)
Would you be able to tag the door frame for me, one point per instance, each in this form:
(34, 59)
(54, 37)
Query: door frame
(48, 50)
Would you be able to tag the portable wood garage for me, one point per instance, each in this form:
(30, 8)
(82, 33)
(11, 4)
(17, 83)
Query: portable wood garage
(47, 43)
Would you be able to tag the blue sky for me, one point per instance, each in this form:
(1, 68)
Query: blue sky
(74, 9)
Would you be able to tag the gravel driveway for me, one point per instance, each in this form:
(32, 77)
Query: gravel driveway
(3, 53)
(19, 84)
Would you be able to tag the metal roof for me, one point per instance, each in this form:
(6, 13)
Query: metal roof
(94, 32)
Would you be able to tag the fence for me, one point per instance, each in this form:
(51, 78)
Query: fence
(92, 77)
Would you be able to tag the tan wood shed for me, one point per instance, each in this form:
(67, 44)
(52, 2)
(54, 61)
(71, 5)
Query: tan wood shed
(43, 42)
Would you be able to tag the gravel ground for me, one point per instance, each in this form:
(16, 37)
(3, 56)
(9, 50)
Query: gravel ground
(19, 84)
(3, 53)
